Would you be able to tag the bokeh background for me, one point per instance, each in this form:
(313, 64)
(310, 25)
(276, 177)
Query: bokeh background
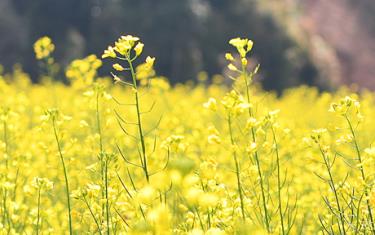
(325, 43)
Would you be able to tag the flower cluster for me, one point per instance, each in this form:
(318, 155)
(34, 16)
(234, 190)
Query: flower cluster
(243, 47)
(43, 47)
(129, 48)
(83, 71)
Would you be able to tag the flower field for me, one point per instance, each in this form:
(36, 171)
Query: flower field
(140, 156)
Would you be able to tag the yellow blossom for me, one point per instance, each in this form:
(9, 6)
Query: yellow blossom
(118, 67)
(43, 47)
(138, 49)
(110, 52)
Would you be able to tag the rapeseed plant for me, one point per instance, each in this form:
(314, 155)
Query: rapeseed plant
(222, 160)
(43, 48)
(52, 115)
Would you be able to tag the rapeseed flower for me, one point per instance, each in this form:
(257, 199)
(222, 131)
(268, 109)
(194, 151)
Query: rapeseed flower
(43, 47)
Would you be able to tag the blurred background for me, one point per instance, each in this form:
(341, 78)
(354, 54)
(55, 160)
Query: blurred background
(325, 43)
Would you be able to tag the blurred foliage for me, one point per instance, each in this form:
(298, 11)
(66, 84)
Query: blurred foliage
(186, 36)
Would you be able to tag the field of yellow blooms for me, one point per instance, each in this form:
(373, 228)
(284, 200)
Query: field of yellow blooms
(139, 156)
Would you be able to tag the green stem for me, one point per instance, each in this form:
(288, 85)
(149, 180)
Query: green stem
(3, 207)
(278, 181)
(101, 154)
(106, 195)
(65, 176)
(139, 121)
(38, 213)
(6, 218)
(6, 142)
(98, 122)
(239, 187)
(256, 154)
(199, 217)
(333, 187)
(362, 173)
(208, 219)
(92, 214)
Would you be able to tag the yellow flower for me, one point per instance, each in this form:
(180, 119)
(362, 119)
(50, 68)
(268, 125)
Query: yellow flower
(116, 78)
(372, 198)
(211, 104)
(229, 56)
(129, 38)
(39, 183)
(208, 200)
(144, 71)
(238, 42)
(215, 231)
(193, 195)
(213, 139)
(150, 61)
(43, 47)
(370, 151)
(317, 134)
(138, 48)
(122, 47)
(243, 45)
(160, 83)
(118, 67)
(160, 217)
(146, 195)
(232, 67)
(249, 45)
(83, 71)
(251, 122)
(8, 185)
(110, 52)
(244, 61)
(252, 148)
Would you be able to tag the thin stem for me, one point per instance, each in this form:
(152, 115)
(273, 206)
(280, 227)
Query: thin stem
(38, 213)
(139, 121)
(98, 122)
(6, 217)
(106, 195)
(256, 154)
(362, 172)
(6, 142)
(101, 154)
(200, 219)
(278, 180)
(244, 74)
(65, 176)
(239, 188)
(92, 214)
(208, 219)
(3, 208)
(333, 187)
